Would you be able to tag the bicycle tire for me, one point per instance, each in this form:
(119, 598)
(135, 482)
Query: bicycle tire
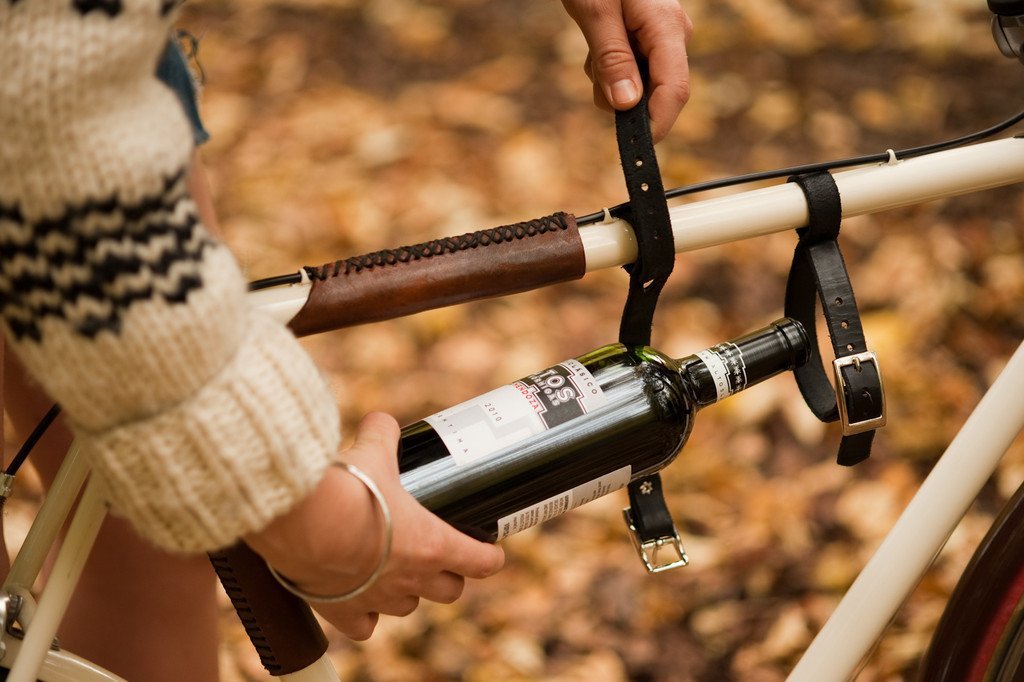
(980, 635)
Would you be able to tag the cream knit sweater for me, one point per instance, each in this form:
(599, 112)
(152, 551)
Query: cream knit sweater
(203, 420)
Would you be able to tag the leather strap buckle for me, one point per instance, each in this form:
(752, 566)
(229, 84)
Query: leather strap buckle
(855, 396)
(843, 394)
(648, 550)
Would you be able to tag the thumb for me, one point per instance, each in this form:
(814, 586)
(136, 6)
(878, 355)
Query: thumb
(470, 558)
(377, 432)
(611, 62)
(615, 72)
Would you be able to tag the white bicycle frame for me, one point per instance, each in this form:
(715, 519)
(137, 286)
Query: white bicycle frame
(881, 587)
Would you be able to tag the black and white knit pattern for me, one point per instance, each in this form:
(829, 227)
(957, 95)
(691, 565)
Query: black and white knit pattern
(90, 264)
(202, 419)
(111, 8)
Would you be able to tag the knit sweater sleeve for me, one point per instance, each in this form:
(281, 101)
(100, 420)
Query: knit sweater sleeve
(203, 419)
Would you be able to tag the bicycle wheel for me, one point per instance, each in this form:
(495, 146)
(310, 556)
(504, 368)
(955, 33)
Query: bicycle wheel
(981, 633)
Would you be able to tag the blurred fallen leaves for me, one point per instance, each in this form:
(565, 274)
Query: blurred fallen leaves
(341, 127)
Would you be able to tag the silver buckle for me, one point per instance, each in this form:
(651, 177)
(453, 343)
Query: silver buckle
(856, 360)
(648, 550)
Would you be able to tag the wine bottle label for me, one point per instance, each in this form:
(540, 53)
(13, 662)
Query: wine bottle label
(559, 504)
(505, 416)
(729, 371)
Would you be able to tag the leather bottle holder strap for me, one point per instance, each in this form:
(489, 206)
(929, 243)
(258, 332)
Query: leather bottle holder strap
(818, 270)
(648, 517)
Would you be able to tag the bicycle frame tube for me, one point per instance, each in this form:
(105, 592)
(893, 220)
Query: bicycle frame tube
(70, 561)
(919, 534)
(321, 671)
(864, 190)
(753, 213)
(45, 528)
(32, 658)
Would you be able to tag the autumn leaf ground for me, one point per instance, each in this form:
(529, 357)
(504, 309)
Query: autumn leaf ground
(344, 127)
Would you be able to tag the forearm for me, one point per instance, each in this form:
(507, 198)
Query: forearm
(203, 420)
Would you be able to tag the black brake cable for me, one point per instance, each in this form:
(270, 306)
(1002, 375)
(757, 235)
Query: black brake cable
(277, 280)
(32, 439)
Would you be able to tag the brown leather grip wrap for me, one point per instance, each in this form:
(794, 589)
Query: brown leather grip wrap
(493, 262)
(280, 625)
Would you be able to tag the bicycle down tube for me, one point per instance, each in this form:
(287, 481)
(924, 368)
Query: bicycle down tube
(919, 534)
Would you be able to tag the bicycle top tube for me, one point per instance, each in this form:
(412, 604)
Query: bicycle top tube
(758, 212)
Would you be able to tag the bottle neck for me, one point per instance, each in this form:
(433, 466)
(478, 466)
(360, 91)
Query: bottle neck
(730, 367)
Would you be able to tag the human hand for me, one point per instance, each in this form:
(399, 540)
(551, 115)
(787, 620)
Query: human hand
(660, 30)
(333, 540)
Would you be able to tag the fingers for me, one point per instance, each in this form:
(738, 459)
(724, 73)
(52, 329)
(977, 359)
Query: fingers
(376, 445)
(357, 627)
(611, 63)
(429, 559)
(401, 606)
(446, 588)
(377, 430)
(355, 621)
(471, 558)
(600, 101)
(435, 543)
(662, 32)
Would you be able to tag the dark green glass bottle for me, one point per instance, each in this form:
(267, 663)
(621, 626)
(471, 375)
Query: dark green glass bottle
(533, 449)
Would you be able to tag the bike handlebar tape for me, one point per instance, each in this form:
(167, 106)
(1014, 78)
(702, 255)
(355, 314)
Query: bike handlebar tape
(280, 625)
(396, 282)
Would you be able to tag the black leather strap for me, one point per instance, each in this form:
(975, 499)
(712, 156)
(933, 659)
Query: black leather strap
(648, 214)
(818, 269)
(650, 514)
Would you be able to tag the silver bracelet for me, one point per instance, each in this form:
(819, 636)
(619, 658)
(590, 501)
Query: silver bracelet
(366, 584)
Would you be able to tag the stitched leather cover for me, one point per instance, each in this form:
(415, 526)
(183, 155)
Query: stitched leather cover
(279, 624)
(388, 284)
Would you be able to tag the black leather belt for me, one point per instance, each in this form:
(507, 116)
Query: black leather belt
(858, 401)
(648, 517)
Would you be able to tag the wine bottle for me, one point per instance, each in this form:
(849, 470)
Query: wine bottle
(531, 450)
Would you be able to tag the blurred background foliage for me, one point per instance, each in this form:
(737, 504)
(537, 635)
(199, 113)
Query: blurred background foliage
(346, 126)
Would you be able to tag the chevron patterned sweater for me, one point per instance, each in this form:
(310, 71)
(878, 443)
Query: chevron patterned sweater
(203, 419)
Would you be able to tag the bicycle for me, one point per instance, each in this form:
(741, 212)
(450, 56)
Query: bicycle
(790, 205)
